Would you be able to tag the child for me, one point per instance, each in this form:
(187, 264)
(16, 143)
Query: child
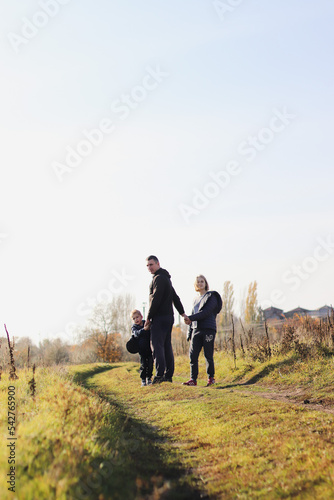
(143, 334)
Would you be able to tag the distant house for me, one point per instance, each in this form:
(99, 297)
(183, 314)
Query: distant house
(275, 314)
(299, 310)
(322, 312)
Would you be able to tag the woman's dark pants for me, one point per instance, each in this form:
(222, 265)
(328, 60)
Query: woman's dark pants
(205, 339)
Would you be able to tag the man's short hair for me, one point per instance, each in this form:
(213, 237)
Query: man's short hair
(153, 257)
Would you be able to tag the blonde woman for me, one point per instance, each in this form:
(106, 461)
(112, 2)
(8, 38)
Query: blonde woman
(202, 329)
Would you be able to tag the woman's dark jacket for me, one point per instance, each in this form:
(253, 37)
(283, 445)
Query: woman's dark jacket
(210, 306)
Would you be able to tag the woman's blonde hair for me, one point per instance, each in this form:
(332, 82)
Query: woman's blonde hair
(206, 282)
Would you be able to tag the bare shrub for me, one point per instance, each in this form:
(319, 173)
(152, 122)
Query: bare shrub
(306, 337)
(260, 350)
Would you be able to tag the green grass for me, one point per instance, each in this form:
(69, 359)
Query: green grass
(57, 436)
(93, 433)
(73, 444)
(313, 377)
(241, 446)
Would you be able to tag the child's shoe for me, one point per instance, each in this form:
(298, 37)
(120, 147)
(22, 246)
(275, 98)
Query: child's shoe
(143, 382)
(211, 381)
(149, 381)
(190, 382)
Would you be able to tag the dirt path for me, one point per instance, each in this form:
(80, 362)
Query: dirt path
(293, 396)
(243, 451)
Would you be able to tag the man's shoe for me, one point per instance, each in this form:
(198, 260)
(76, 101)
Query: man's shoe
(211, 381)
(157, 380)
(190, 382)
(143, 382)
(149, 381)
(168, 379)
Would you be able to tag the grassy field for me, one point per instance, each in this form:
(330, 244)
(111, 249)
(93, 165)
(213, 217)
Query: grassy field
(93, 433)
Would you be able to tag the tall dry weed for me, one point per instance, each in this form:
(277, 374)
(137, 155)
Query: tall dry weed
(12, 371)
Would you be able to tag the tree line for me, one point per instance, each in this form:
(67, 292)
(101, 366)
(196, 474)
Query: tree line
(104, 335)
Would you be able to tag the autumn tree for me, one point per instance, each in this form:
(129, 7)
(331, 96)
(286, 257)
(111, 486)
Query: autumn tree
(109, 348)
(4, 354)
(108, 327)
(112, 317)
(179, 339)
(228, 303)
(84, 352)
(251, 307)
(53, 352)
(23, 345)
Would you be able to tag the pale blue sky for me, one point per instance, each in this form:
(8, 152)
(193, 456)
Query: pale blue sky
(61, 240)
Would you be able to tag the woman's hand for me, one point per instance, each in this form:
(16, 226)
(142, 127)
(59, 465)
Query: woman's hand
(186, 320)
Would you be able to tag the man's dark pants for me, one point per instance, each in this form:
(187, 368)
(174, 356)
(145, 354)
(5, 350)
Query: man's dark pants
(205, 339)
(161, 337)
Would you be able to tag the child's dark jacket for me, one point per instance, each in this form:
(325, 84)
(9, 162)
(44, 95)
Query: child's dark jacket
(138, 330)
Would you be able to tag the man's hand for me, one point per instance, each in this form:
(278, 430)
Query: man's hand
(147, 324)
(186, 319)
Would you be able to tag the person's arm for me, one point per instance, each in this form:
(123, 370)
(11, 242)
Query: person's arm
(208, 309)
(136, 332)
(190, 327)
(177, 303)
(158, 293)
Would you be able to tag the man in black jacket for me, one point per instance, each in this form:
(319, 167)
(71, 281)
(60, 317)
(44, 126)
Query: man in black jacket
(161, 317)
